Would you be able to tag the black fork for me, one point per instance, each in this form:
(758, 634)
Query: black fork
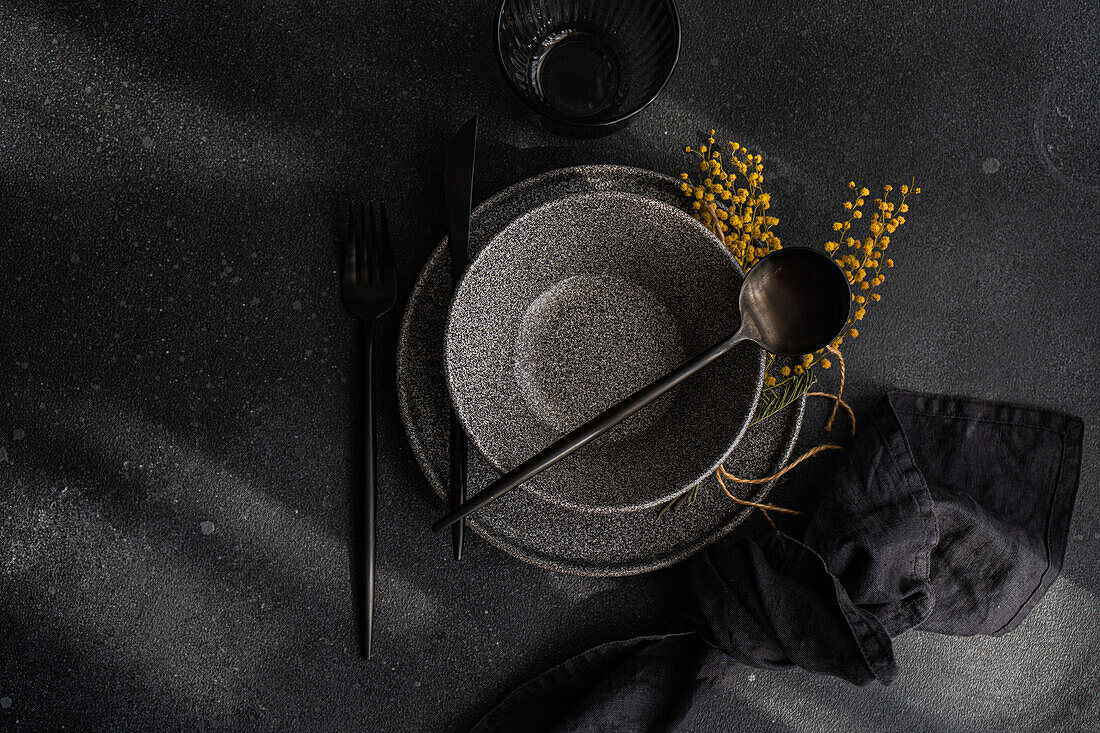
(369, 287)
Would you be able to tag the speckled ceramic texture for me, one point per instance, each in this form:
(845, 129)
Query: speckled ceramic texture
(572, 307)
(520, 523)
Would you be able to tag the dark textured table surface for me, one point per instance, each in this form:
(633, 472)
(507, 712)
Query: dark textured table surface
(176, 369)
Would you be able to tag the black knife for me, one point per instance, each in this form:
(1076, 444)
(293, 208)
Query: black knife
(458, 190)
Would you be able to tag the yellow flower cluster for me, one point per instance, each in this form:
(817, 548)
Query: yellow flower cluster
(728, 197)
(863, 261)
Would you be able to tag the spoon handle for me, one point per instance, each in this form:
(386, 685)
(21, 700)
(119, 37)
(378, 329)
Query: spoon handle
(587, 432)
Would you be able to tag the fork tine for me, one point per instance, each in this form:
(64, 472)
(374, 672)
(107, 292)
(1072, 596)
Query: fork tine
(349, 248)
(386, 267)
(362, 244)
(365, 264)
(375, 244)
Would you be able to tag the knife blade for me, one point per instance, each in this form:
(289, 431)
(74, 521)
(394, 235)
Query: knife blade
(458, 190)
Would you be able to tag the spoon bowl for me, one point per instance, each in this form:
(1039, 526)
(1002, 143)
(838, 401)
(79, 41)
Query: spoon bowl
(794, 301)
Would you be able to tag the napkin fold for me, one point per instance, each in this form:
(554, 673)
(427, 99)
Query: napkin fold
(944, 514)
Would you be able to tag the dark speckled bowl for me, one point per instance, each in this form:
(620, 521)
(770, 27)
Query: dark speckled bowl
(523, 524)
(574, 306)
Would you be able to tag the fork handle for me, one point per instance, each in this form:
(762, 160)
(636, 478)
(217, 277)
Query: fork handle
(370, 494)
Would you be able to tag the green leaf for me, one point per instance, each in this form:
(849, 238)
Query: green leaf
(683, 501)
(775, 399)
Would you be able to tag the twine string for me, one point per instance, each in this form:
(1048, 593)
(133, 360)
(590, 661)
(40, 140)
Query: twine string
(762, 507)
(722, 474)
(839, 393)
(779, 474)
(845, 405)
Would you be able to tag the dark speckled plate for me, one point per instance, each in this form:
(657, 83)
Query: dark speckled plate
(575, 305)
(521, 523)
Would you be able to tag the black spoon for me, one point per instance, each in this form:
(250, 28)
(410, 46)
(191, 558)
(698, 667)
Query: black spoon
(792, 302)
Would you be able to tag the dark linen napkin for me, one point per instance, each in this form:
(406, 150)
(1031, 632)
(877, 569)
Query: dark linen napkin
(944, 514)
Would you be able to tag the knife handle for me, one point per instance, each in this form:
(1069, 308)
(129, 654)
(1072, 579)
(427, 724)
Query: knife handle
(456, 493)
(458, 192)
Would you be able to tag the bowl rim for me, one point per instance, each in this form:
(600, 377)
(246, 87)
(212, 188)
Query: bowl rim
(460, 408)
(573, 121)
